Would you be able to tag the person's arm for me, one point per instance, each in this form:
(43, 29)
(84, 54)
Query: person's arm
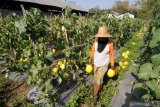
(111, 54)
(92, 53)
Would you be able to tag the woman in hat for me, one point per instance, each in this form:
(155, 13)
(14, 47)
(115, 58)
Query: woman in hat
(102, 53)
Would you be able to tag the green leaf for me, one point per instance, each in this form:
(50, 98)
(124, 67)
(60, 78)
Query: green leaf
(153, 29)
(155, 73)
(146, 97)
(39, 65)
(155, 89)
(138, 90)
(27, 52)
(145, 71)
(134, 69)
(59, 80)
(29, 80)
(138, 85)
(20, 26)
(42, 87)
(48, 85)
(151, 84)
(49, 56)
(67, 53)
(25, 64)
(40, 81)
(41, 46)
(155, 39)
(156, 59)
(33, 66)
(34, 71)
(158, 93)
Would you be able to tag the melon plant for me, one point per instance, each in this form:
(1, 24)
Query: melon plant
(148, 72)
(33, 44)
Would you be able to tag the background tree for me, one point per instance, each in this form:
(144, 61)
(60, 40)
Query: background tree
(120, 6)
(124, 6)
(98, 12)
(148, 8)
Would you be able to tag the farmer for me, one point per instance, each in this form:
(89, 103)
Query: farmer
(103, 54)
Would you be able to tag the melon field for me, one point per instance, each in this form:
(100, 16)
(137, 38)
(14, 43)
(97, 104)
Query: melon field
(53, 52)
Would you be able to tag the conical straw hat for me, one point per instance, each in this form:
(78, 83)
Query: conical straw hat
(102, 32)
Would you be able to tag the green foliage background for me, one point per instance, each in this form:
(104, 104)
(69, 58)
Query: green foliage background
(35, 35)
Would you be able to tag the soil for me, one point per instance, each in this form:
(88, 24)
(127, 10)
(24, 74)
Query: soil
(12, 93)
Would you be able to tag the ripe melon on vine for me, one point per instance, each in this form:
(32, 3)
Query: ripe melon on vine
(20, 60)
(133, 43)
(124, 67)
(66, 75)
(64, 61)
(25, 60)
(127, 52)
(117, 69)
(120, 63)
(60, 63)
(53, 51)
(62, 66)
(124, 54)
(125, 63)
(55, 70)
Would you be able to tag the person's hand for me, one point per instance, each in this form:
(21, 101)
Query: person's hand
(89, 62)
(112, 67)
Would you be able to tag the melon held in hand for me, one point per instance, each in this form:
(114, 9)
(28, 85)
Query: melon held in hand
(89, 68)
(111, 73)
